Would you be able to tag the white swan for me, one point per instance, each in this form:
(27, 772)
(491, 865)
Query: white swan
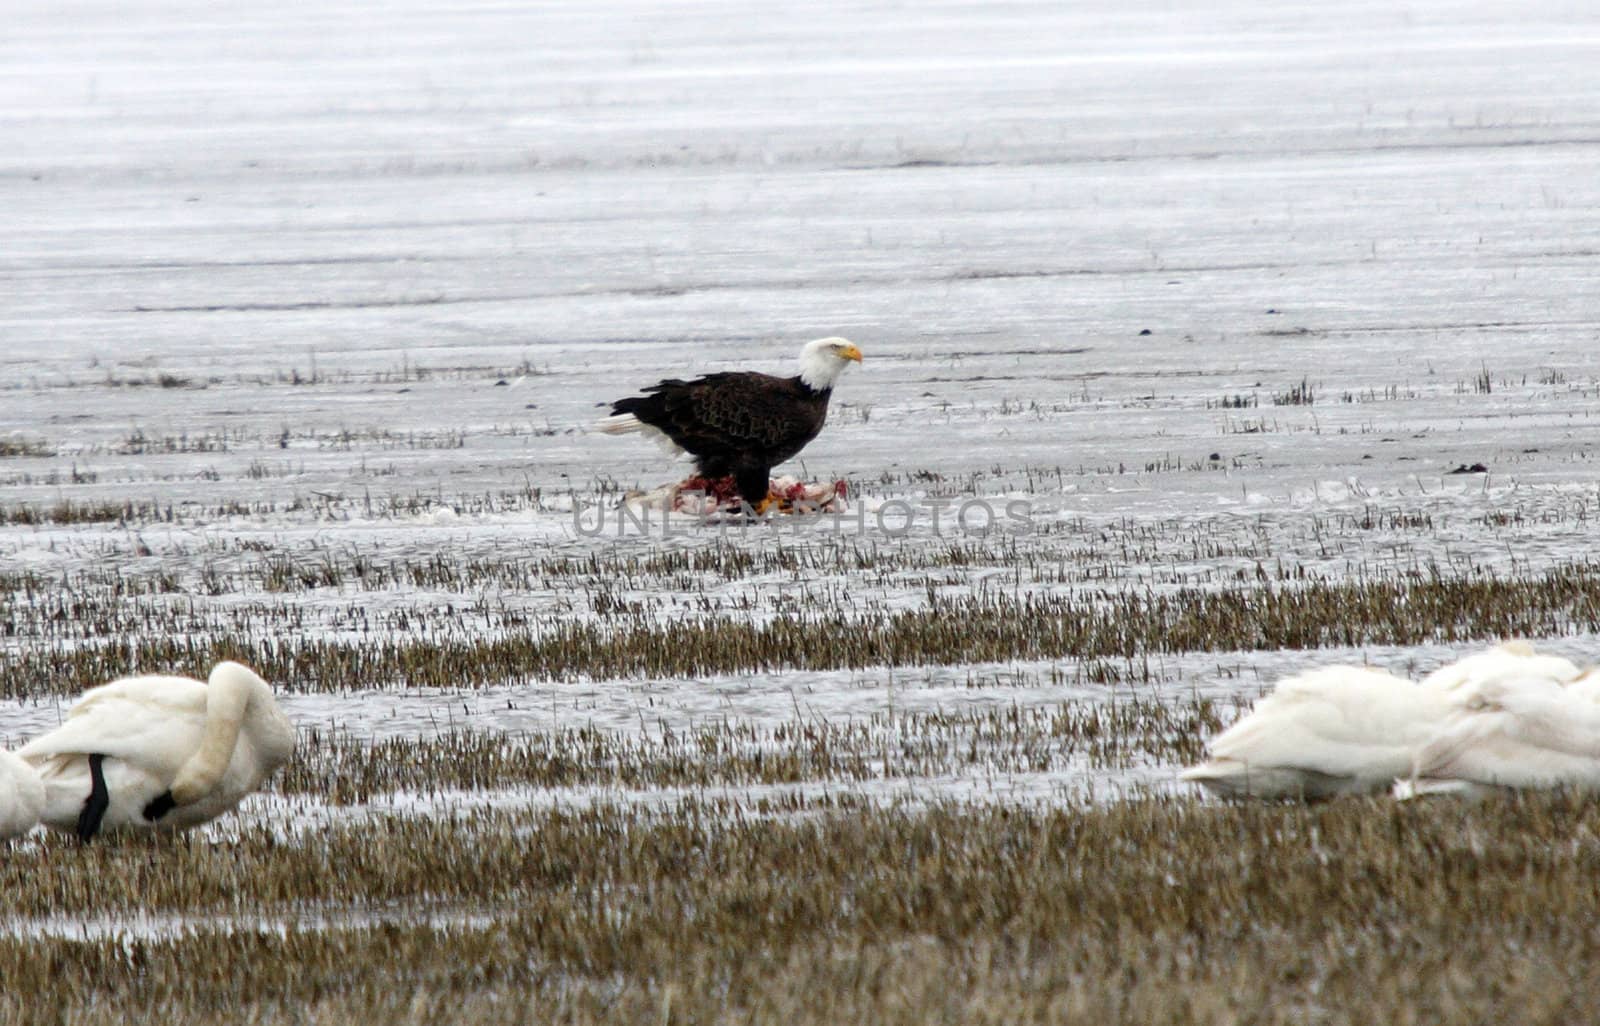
(160, 752)
(1331, 731)
(21, 796)
(1355, 730)
(1529, 730)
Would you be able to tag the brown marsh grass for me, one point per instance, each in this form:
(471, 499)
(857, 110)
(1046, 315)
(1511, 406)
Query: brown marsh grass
(1151, 911)
(336, 767)
(1117, 630)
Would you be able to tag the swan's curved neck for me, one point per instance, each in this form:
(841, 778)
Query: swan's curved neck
(229, 693)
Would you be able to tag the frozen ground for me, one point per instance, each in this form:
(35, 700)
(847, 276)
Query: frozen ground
(357, 278)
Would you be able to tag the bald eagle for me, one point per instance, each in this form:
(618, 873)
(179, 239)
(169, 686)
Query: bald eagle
(739, 423)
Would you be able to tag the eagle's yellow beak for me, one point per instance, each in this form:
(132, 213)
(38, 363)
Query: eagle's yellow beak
(850, 353)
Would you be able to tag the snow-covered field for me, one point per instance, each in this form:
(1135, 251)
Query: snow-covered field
(352, 280)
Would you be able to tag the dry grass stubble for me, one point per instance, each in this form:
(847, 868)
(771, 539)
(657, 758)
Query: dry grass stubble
(1147, 911)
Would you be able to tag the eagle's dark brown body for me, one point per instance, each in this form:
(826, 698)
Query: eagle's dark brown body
(738, 423)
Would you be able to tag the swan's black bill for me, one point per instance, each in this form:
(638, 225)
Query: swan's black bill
(159, 806)
(94, 806)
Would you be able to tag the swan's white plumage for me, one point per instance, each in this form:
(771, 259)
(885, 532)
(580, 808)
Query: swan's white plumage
(210, 744)
(1510, 660)
(1330, 731)
(21, 796)
(1537, 726)
(1504, 717)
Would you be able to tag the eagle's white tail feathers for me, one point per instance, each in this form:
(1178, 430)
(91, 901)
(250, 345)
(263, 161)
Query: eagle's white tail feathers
(619, 424)
(628, 424)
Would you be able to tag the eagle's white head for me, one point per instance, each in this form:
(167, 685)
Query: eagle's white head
(822, 361)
